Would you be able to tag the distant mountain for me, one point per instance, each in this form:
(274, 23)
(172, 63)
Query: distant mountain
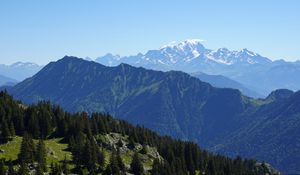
(224, 82)
(176, 104)
(19, 70)
(6, 81)
(244, 66)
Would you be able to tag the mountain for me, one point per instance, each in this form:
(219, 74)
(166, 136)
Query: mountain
(220, 81)
(19, 70)
(245, 66)
(6, 81)
(272, 133)
(176, 104)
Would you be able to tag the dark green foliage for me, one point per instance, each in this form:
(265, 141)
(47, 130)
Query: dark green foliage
(65, 167)
(11, 170)
(39, 170)
(120, 161)
(136, 166)
(55, 169)
(5, 132)
(116, 165)
(144, 150)
(90, 154)
(2, 168)
(12, 129)
(41, 156)
(23, 170)
(157, 167)
(27, 152)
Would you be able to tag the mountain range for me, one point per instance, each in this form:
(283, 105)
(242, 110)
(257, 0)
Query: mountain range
(176, 104)
(254, 71)
(19, 70)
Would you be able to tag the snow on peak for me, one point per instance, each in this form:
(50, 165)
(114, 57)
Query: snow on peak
(24, 64)
(181, 45)
(247, 52)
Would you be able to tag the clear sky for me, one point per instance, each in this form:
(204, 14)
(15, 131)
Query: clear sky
(40, 31)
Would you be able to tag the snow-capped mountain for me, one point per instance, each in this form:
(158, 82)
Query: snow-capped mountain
(24, 65)
(245, 66)
(189, 53)
(19, 70)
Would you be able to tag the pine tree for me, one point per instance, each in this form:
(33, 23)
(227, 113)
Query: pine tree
(119, 143)
(55, 169)
(211, 168)
(101, 158)
(113, 167)
(88, 155)
(11, 170)
(39, 170)
(136, 166)
(2, 168)
(120, 161)
(23, 170)
(144, 150)
(41, 155)
(156, 167)
(131, 143)
(27, 152)
(65, 166)
(12, 129)
(5, 133)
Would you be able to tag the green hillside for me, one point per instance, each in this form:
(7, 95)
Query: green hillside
(44, 138)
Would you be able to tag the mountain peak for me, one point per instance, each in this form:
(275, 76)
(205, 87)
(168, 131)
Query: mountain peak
(24, 64)
(247, 52)
(191, 43)
(67, 59)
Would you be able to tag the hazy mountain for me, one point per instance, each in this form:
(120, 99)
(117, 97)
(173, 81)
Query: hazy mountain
(6, 81)
(176, 104)
(224, 82)
(19, 70)
(244, 66)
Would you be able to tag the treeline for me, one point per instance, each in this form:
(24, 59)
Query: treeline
(44, 120)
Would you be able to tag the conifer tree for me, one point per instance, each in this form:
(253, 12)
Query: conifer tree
(113, 166)
(120, 161)
(39, 170)
(5, 133)
(23, 170)
(136, 166)
(144, 149)
(11, 170)
(41, 155)
(65, 166)
(2, 168)
(12, 129)
(55, 169)
(27, 152)
(156, 167)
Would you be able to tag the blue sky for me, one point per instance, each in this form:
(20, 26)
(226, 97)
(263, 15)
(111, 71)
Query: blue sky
(40, 31)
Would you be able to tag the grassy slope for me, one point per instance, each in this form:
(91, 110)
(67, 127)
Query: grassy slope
(57, 151)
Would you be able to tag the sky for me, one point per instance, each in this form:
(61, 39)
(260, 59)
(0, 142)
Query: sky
(42, 31)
